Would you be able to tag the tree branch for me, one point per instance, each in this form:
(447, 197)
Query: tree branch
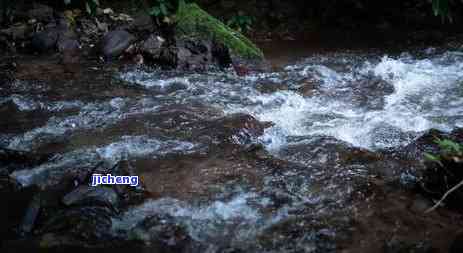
(444, 197)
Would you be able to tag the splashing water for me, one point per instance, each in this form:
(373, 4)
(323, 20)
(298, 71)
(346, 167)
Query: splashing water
(367, 101)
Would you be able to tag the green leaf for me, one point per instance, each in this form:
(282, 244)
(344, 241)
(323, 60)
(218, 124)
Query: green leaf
(155, 11)
(435, 7)
(87, 8)
(431, 157)
(163, 10)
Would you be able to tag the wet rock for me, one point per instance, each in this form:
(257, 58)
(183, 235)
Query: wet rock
(17, 32)
(88, 30)
(118, 196)
(40, 12)
(327, 151)
(13, 160)
(68, 46)
(271, 87)
(88, 194)
(303, 232)
(237, 129)
(7, 71)
(308, 88)
(193, 55)
(89, 226)
(46, 40)
(114, 43)
(162, 232)
(244, 66)
(371, 92)
(70, 54)
(241, 70)
(76, 165)
(143, 23)
(20, 213)
(176, 86)
(424, 144)
(390, 136)
(31, 214)
(194, 22)
(221, 55)
(152, 47)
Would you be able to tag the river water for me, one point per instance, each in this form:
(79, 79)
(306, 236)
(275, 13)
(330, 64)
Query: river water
(294, 186)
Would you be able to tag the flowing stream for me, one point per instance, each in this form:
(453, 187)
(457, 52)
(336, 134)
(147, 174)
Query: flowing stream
(186, 137)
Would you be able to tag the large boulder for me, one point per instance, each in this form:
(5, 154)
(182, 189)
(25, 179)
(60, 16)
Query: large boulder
(114, 43)
(193, 23)
(47, 40)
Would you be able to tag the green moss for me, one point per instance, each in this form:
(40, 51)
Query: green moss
(192, 21)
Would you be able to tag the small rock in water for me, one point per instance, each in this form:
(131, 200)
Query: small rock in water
(271, 87)
(164, 233)
(86, 194)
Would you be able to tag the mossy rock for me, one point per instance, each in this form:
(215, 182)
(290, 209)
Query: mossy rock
(194, 22)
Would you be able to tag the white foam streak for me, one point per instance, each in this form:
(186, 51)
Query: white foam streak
(423, 91)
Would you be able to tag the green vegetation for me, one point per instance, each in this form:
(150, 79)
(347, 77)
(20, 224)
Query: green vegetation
(441, 8)
(91, 6)
(192, 21)
(161, 10)
(241, 22)
(449, 150)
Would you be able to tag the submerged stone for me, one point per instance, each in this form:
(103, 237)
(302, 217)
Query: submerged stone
(88, 194)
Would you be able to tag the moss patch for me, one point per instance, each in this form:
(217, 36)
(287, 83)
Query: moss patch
(192, 21)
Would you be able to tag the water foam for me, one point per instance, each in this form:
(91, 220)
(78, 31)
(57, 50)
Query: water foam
(423, 89)
(212, 221)
(140, 146)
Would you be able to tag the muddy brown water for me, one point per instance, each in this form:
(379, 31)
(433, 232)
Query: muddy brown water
(310, 157)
